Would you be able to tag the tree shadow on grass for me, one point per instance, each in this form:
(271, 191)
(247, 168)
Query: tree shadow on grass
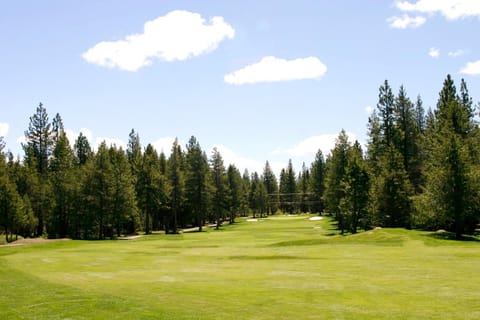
(450, 236)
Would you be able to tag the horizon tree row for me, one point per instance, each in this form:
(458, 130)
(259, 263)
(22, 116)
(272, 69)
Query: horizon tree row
(59, 191)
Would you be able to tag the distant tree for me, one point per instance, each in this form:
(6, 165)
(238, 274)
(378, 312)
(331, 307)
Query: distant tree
(335, 173)
(124, 216)
(407, 139)
(244, 200)
(39, 142)
(288, 189)
(355, 184)
(98, 195)
(235, 190)
(220, 188)
(196, 180)
(177, 183)
(317, 181)
(304, 188)
(57, 128)
(452, 188)
(82, 149)
(2, 145)
(10, 202)
(65, 188)
(271, 186)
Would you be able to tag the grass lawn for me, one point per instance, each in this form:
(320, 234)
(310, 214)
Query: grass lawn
(276, 268)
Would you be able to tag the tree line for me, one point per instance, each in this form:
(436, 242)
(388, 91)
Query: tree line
(420, 170)
(59, 191)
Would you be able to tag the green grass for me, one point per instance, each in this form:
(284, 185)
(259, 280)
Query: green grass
(277, 268)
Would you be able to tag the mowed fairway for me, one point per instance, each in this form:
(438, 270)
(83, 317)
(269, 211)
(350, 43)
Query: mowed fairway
(276, 268)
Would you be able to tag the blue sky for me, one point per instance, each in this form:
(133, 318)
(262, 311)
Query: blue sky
(261, 80)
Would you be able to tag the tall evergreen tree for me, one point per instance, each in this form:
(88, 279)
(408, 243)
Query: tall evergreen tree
(39, 143)
(196, 180)
(271, 186)
(317, 181)
(177, 183)
(64, 188)
(355, 184)
(451, 190)
(219, 184)
(288, 189)
(124, 218)
(235, 191)
(335, 174)
(303, 188)
(82, 150)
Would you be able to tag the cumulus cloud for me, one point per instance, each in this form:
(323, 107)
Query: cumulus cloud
(21, 140)
(451, 9)
(434, 52)
(405, 22)
(241, 162)
(311, 145)
(119, 143)
(272, 69)
(472, 68)
(4, 128)
(369, 110)
(164, 144)
(73, 135)
(456, 53)
(178, 35)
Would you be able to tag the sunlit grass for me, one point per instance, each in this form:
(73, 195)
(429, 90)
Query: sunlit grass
(276, 268)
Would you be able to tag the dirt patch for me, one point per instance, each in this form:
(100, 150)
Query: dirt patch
(26, 241)
(131, 237)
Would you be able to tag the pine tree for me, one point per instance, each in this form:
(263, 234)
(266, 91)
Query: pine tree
(235, 191)
(177, 183)
(219, 184)
(303, 187)
(98, 196)
(39, 140)
(38, 150)
(451, 189)
(271, 186)
(64, 188)
(82, 150)
(124, 216)
(317, 181)
(288, 189)
(196, 180)
(355, 184)
(335, 173)
(10, 202)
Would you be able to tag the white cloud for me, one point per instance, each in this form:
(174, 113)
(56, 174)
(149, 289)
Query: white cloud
(272, 69)
(21, 140)
(406, 21)
(241, 162)
(178, 35)
(164, 144)
(451, 9)
(73, 135)
(369, 110)
(311, 145)
(434, 52)
(456, 53)
(472, 68)
(4, 128)
(111, 142)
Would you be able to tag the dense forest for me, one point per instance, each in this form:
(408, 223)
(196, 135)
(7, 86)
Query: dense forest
(419, 170)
